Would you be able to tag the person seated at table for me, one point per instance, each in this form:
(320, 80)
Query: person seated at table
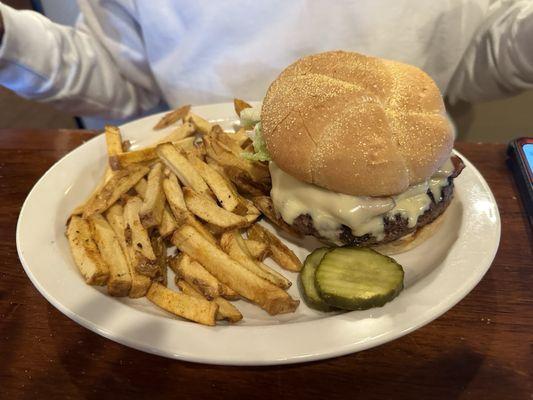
(125, 57)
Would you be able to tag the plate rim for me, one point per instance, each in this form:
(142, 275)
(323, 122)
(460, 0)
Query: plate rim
(356, 346)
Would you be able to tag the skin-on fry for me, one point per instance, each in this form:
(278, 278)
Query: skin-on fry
(139, 283)
(261, 292)
(183, 305)
(240, 105)
(226, 310)
(119, 281)
(265, 205)
(114, 145)
(153, 205)
(108, 174)
(208, 211)
(168, 222)
(90, 263)
(241, 138)
(160, 251)
(120, 183)
(183, 169)
(180, 133)
(202, 125)
(233, 244)
(227, 197)
(280, 253)
(148, 154)
(258, 250)
(143, 256)
(172, 117)
(195, 274)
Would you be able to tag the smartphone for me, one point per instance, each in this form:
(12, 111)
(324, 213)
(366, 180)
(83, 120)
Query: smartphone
(520, 152)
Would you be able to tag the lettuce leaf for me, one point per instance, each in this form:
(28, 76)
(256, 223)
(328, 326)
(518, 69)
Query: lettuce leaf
(260, 149)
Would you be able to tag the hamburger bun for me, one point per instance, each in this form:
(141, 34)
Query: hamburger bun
(354, 124)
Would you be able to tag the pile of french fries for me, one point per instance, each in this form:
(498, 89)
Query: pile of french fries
(190, 203)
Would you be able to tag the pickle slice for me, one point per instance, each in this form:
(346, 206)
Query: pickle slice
(307, 280)
(354, 278)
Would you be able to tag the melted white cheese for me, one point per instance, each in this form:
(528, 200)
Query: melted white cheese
(329, 210)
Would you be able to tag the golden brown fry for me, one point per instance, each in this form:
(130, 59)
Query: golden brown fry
(148, 154)
(114, 145)
(241, 138)
(181, 132)
(208, 211)
(119, 281)
(195, 274)
(151, 213)
(120, 183)
(228, 198)
(280, 253)
(140, 187)
(202, 125)
(233, 244)
(259, 250)
(143, 257)
(265, 205)
(108, 174)
(240, 105)
(173, 193)
(226, 310)
(139, 283)
(183, 305)
(168, 223)
(268, 296)
(172, 117)
(160, 250)
(183, 169)
(92, 266)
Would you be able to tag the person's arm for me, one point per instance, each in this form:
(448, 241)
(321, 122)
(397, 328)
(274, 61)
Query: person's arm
(88, 70)
(499, 61)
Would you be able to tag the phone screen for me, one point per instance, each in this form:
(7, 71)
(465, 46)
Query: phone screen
(528, 152)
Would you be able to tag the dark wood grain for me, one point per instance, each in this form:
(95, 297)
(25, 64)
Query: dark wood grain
(481, 349)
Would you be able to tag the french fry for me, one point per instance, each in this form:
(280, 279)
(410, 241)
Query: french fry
(227, 197)
(261, 292)
(139, 283)
(140, 187)
(265, 205)
(108, 174)
(90, 263)
(208, 211)
(120, 183)
(119, 281)
(259, 250)
(226, 310)
(241, 138)
(195, 274)
(142, 255)
(148, 154)
(233, 244)
(183, 305)
(183, 169)
(280, 253)
(181, 132)
(173, 193)
(168, 222)
(153, 206)
(202, 125)
(240, 105)
(114, 145)
(172, 117)
(160, 251)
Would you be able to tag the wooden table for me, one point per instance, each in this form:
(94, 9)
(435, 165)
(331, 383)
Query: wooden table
(481, 349)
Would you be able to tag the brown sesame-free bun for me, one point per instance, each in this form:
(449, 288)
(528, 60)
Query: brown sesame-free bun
(358, 125)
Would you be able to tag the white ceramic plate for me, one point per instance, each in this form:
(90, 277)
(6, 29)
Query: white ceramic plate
(439, 273)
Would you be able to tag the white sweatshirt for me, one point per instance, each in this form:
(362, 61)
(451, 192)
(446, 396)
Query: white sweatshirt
(127, 56)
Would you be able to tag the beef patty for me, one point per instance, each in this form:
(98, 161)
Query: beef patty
(394, 228)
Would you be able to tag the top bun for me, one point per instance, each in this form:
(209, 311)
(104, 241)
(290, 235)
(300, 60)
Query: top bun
(354, 124)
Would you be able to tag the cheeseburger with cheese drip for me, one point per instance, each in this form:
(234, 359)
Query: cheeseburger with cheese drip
(360, 150)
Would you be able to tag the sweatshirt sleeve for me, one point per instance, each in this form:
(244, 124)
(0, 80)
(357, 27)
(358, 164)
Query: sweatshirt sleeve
(499, 60)
(97, 68)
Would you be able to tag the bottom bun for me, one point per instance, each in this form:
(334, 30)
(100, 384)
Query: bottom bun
(412, 240)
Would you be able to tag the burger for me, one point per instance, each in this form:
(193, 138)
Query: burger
(359, 149)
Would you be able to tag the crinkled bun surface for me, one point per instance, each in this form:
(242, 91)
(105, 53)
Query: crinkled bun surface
(354, 124)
